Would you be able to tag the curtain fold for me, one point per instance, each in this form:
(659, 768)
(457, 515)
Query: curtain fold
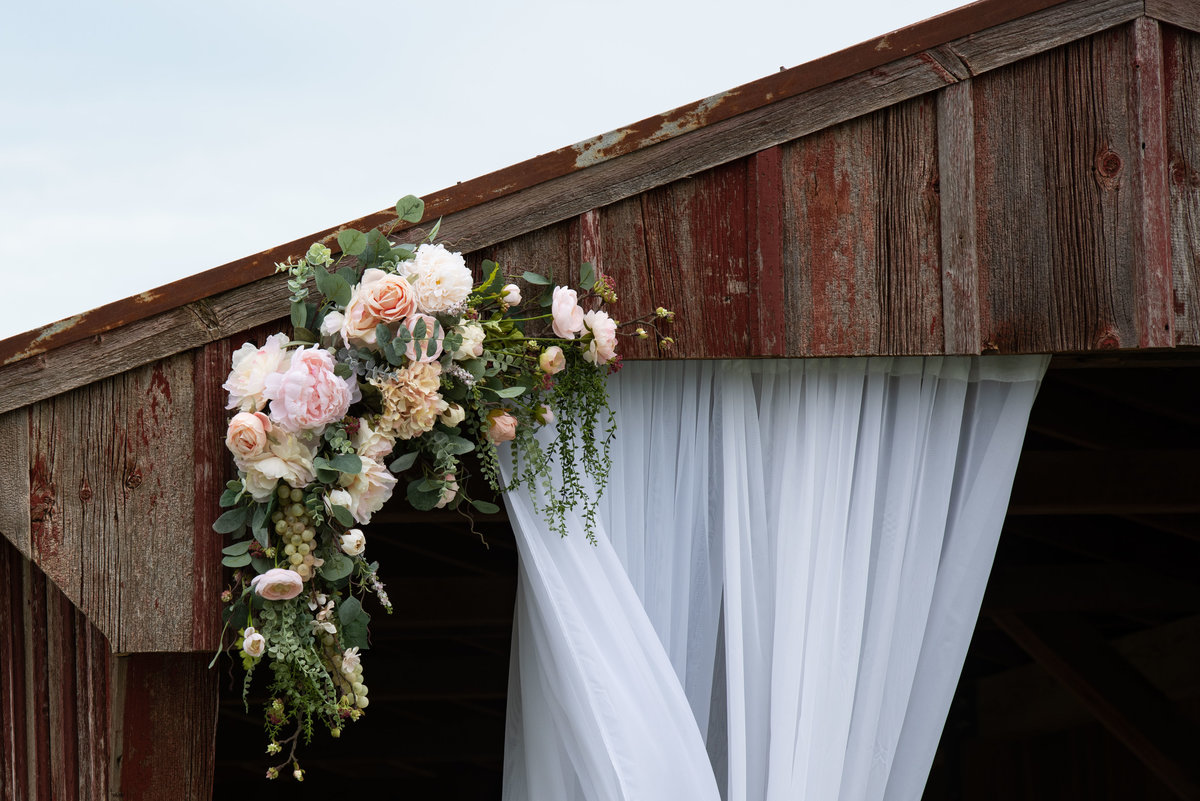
(791, 559)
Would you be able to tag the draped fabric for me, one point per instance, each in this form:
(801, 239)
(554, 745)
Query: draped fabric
(790, 560)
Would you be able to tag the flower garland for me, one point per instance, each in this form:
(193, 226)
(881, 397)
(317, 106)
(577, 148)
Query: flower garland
(398, 365)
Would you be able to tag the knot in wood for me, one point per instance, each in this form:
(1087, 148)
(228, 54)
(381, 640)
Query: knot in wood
(134, 480)
(85, 491)
(1183, 174)
(1109, 341)
(1109, 164)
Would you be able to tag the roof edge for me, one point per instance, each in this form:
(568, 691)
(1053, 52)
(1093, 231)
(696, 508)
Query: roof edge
(929, 33)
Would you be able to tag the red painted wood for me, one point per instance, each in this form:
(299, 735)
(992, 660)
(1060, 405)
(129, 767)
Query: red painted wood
(37, 699)
(14, 771)
(1181, 82)
(956, 183)
(1152, 234)
(764, 241)
(63, 712)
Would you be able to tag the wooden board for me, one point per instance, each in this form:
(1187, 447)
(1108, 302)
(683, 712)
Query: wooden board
(113, 471)
(861, 239)
(1056, 215)
(1181, 79)
(14, 478)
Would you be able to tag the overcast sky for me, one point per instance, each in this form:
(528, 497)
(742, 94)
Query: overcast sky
(144, 141)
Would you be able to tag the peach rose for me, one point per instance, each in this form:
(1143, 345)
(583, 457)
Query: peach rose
(246, 437)
(387, 297)
(278, 584)
(252, 365)
(358, 323)
(433, 330)
(603, 346)
(309, 395)
(568, 317)
(502, 426)
(552, 360)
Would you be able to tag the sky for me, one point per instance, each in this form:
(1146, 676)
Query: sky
(141, 142)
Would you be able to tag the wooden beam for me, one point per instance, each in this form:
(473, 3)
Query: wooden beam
(1119, 697)
(960, 262)
(1181, 85)
(1106, 482)
(1184, 13)
(14, 479)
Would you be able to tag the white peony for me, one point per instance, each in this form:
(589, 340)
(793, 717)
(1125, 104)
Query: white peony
(287, 457)
(440, 277)
(246, 384)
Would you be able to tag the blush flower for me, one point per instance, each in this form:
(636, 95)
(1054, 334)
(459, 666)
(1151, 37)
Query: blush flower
(449, 491)
(441, 279)
(511, 294)
(287, 457)
(472, 342)
(389, 298)
(278, 584)
(552, 360)
(369, 489)
(502, 426)
(252, 365)
(253, 643)
(309, 395)
(246, 436)
(354, 542)
(603, 346)
(567, 316)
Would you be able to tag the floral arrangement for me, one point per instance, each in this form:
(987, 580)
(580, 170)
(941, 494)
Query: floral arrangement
(398, 365)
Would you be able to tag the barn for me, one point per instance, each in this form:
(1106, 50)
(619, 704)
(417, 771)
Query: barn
(1016, 178)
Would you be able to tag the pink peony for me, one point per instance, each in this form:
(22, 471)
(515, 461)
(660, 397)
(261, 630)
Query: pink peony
(552, 360)
(568, 317)
(603, 346)
(309, 395)
(252, 366)
(246, 437)
(502, 427)
(432, 328)
(278, 584)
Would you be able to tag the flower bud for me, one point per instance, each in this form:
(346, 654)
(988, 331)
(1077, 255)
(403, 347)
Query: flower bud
(511, 294)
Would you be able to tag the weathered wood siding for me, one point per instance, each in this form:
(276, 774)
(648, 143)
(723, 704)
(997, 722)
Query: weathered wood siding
(77, 722)
(1181, 73)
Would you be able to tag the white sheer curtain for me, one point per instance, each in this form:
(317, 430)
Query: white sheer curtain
(791, 559)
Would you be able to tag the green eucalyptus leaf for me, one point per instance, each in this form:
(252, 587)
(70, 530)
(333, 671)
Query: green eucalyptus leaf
(421, 499)
(354, 633)
(507, 392)
(343, 516)
(333, 286)
(326, 475)
(343, 370)
(475, 367)
(410, 208)
(348, 463)
(352, 242)
(337, 567)
(405, 461)
(302, 334)
(349, 610)
(459, 445)
(231, 521)
(587, 276)
(241, 560)
(383, 334)
(437, 226)
(418, 332)
(546, 299)
(299, 314)
(483, 507)
(237, 549)
(535, 278)
(229, 497)
(261, 564)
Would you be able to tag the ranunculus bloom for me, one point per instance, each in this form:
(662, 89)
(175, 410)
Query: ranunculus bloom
(287, 457)
(511, 294)
(309, 395)
(472, 341)
(502, 427)
(449, 491)
(552, 360)
(253, 643)
(441, 278)
(418, 350)
(387, 297)
(278, 584)
(332, 323)
(246, 437)
(567, 316)
(603, 346)
(453, 415)
(252, 365)
(337, 497)
(354, 542)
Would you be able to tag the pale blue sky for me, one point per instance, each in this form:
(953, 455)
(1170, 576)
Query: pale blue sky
(141, 142)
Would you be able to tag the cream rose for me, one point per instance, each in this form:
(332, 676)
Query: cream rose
(337, 497)
(354, 542)
(369, 489)
(511, 294)
(332, 323)
(552, 360)
(253, 643)
(472, 342)
(418, 349)
(246, 436)
(358, 323)
(453, 415)
(603, 346)
(287, 457)
(441, 279)
(278, 584)
(387, 297)
(252, 365)
(566, 314)
(309, 395)
(502, 427)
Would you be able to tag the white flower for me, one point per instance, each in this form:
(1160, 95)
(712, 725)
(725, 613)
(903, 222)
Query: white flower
(253, 643)
(246, 384)
(442, 279)
(337, 497)
(453, 415)
(544, 415)
(350, 661)
(511, 294)
(353, 542)
(472, 342)
(287, 457)
(332, 323)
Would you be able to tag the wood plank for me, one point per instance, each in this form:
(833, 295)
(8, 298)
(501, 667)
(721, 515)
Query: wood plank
(764, 218)
(37, 686)
(1152, 233)
(1181, 83)
(1184, 13)
(1106, 482)
(14, 479)
(861, 243)
(165, 727)
(623, 232)
(60, 675)
(13, 727)
(1115, 693)
(114, 475)
(1042, 31)
(956, 183)
(1055, 215)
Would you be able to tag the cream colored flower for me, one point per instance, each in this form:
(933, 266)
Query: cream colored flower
(411, 400)
(441, 278)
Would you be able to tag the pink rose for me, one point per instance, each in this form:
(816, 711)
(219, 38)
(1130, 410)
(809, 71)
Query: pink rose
(247, 434)
(387, 297)
(432, 327)
(603, 346)
(502, 427)
(251, 367)
(278, 584)
(309, 395)
(552, 360)
(568, 317)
